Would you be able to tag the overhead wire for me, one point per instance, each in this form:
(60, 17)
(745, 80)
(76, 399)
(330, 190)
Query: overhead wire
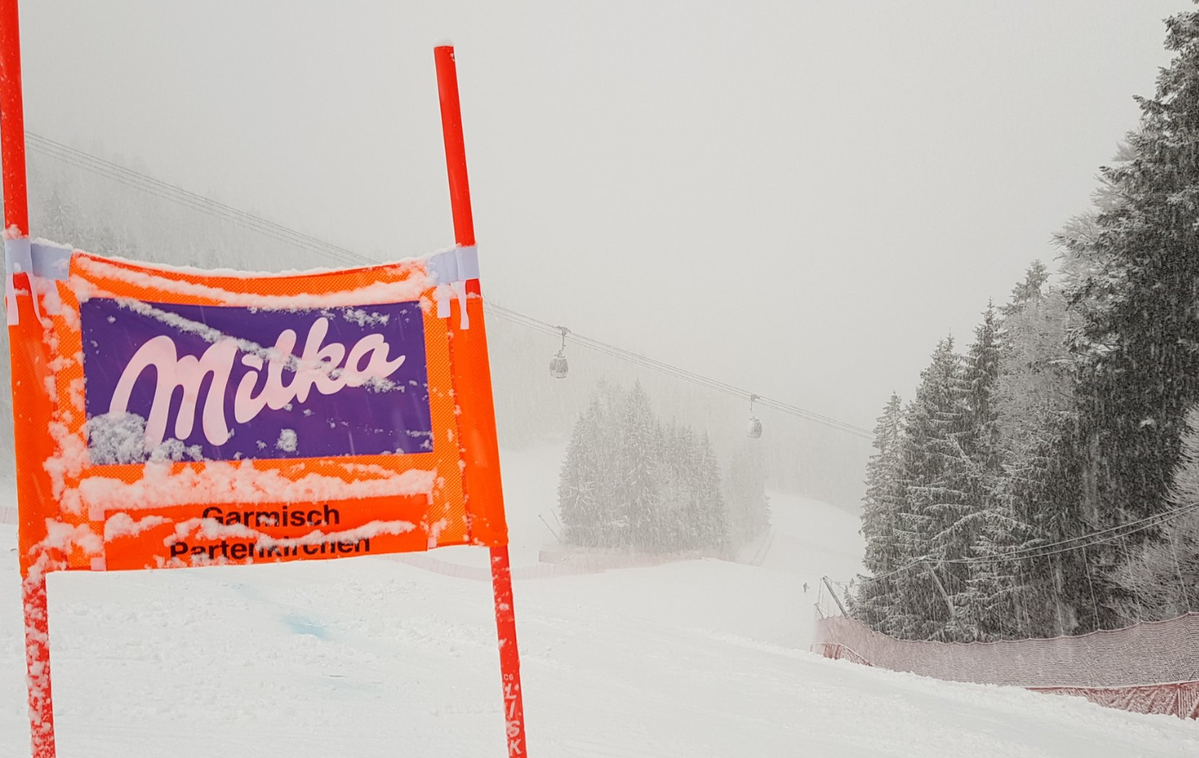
(1110, 534)
(676, 371)
(1117, 532)
(166, 191)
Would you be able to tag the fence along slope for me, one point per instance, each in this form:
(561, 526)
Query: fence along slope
(1145, 668)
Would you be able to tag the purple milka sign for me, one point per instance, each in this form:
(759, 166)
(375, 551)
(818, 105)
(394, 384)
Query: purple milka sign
(220, 383)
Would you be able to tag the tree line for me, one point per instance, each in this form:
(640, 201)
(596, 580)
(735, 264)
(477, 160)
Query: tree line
(630, 481)
(1046, 482)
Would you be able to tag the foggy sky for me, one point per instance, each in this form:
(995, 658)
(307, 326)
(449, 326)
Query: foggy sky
(799, 198)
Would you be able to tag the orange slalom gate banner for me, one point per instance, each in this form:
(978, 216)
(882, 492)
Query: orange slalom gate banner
(187, 418)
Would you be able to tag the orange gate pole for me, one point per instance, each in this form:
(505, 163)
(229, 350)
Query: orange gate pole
(464, 235)
(12, 121)
(25, 352)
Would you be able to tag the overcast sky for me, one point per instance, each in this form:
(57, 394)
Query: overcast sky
(796, 197)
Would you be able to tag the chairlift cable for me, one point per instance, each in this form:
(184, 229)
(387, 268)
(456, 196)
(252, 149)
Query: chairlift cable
(676, 371)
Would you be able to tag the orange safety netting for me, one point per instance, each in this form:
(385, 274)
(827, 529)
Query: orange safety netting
(1146, 668)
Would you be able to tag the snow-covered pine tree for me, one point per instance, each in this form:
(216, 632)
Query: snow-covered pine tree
(885, 499)
(641, 470)
(910, 586)
(580, 498)
(979, 442)
(981, 375)
(590, 486)
(1140, 338)
(612, 464)
(674, 518)
(628, 481)
(684, 466)
(1039, 495)
(1083, 264)
(936, 474)
(1029, 289)
(711, 523)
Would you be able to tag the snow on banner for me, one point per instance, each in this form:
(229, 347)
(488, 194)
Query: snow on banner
(213, 418)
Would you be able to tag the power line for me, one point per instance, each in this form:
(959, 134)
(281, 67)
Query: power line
(178, 195)
(1040, 551)
(1063, 546)
(675, 371)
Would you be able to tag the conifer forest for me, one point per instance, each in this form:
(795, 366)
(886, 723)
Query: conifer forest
(1044, 479)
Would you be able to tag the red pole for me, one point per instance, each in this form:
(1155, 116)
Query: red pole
(16, 224)
(37, 666)
(12, 121)
(455, 147)
(464, 235)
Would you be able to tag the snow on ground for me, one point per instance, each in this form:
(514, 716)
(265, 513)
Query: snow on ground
(375, 657)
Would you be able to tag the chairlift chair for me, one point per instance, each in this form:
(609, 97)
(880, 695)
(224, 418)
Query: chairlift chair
(755, 426)
(558, 364)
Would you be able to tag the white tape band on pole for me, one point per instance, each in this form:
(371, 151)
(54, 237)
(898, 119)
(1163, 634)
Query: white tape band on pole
(451, 270)
(16, 261)
(468, 262)
(456, 265)
(44, 263)
(51, 263)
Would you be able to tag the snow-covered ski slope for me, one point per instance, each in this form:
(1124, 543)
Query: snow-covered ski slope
(376, 657)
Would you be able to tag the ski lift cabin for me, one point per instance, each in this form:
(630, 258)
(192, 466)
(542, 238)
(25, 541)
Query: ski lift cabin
(559, 366)
(755, 426)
